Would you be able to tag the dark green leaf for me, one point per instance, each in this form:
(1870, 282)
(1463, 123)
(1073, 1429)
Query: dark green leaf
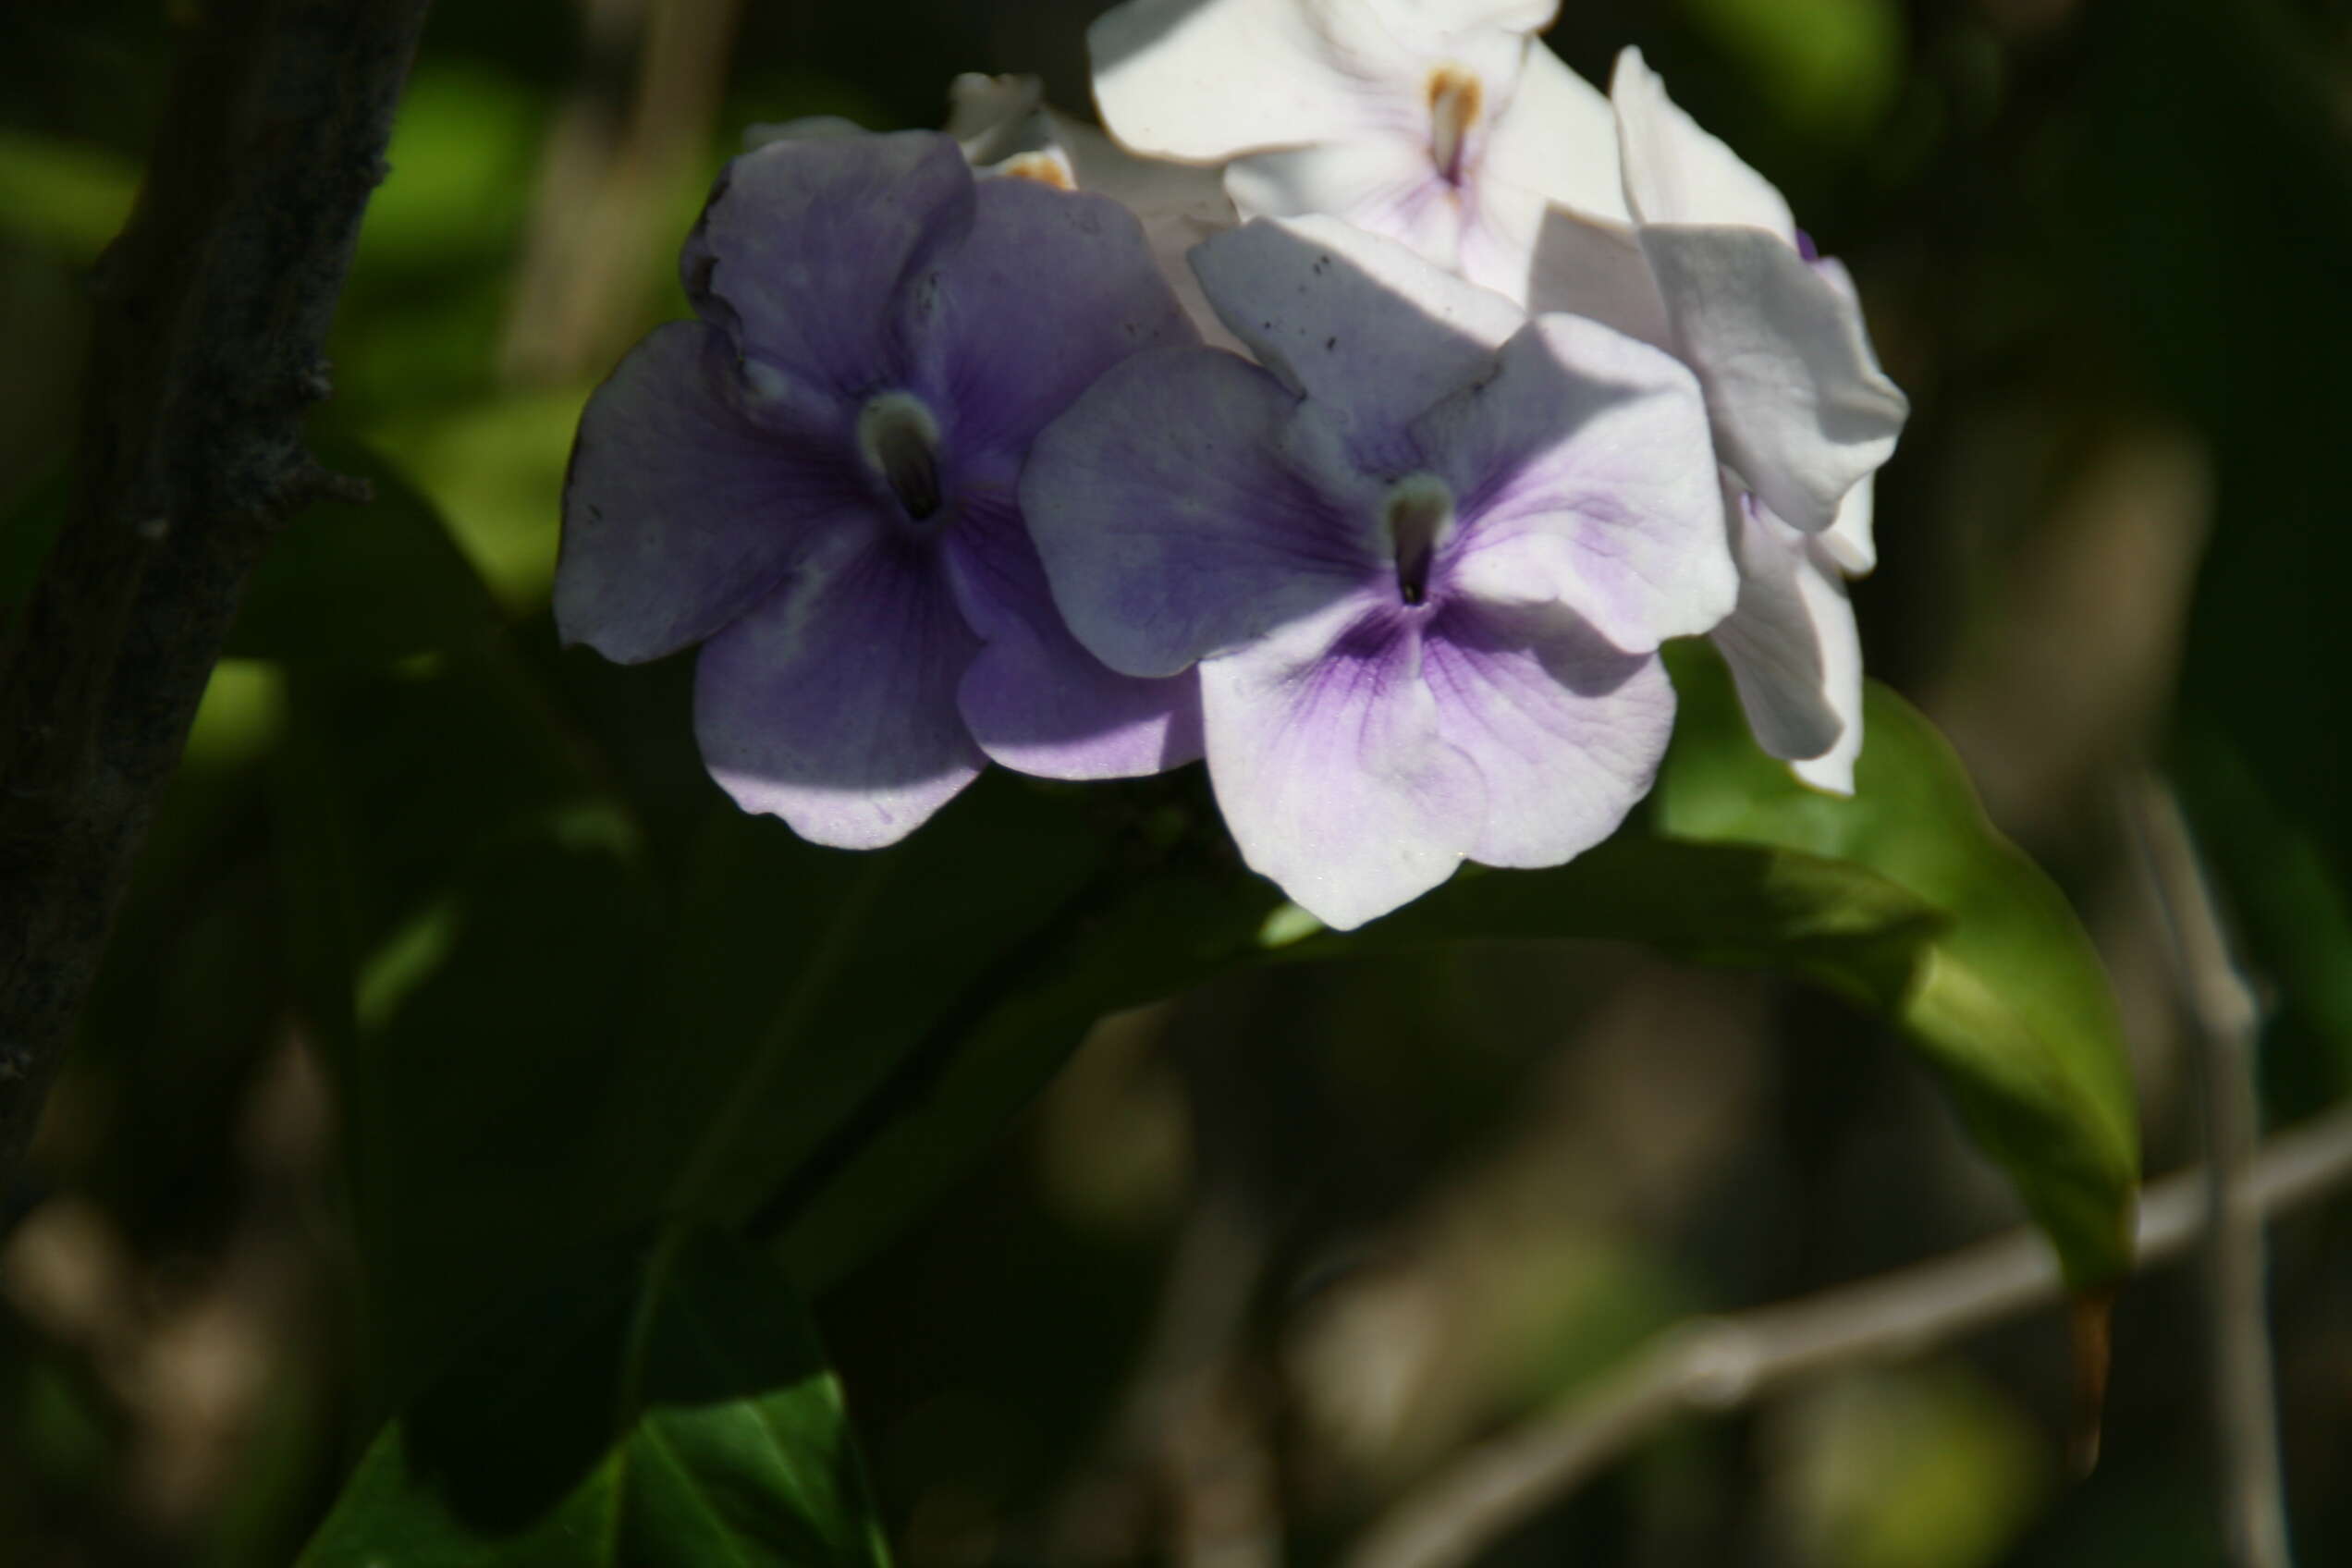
(365, 582)
(2008, 1000)
(665, 1405)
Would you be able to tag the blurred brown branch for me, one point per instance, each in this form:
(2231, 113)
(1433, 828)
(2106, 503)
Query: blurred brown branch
(1714, 1365)
(632, 130)
(211, 309)
(2224, 1023)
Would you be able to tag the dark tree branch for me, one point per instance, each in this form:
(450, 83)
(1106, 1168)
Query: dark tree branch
(211, 312)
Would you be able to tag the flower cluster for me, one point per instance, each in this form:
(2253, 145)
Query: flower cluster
(1362, 412)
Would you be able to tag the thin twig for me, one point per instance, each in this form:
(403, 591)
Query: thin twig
(1713, 1364)
(211, 312)
(2224, 1023)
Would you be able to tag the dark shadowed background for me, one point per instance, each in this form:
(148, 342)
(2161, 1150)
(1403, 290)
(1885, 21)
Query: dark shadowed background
(1267, 1253)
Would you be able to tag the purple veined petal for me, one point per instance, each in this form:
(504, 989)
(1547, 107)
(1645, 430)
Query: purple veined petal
(1801, 410)
(806, 241)
(1048, 290)
(832, 704)
(1566, 732)
(1329, 766)
(1382, 184)
(1795, 654)
(1204, 79)
(1188, 504)
(1581, 474)
(1359, 324)
(689, 497)
(1676, 173)
(1033, 699)
(1589, 266)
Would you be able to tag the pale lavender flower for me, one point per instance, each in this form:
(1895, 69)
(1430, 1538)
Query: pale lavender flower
(1704, 258)
(817, 479)
(1443, 124)
(1422, 559)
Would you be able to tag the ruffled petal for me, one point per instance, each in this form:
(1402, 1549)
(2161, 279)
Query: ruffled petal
(1180, 206)
(1557, 141)
(1801, 410)
(1324, 749)
(1189, 504)
(1795, 654)
(1206, 79)
(689, 497)
(1591, 266)
(1677, 173)
(806, 241)
(1554, 142)
(1033, 699)
(1581, 474)
(1383, 185)
(1047, 290)
(1566, 731)
(1370, 331)
(833, 704)
(1851, 540)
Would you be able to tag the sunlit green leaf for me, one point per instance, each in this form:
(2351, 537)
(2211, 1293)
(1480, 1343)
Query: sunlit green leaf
(2008, 1001)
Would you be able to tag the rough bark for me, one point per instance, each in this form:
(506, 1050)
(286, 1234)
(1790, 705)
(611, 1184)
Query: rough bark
(211, 312)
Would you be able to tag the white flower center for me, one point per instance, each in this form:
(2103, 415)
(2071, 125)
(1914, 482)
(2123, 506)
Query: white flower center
(899, 441)
(1455, 98)
(1418, 514)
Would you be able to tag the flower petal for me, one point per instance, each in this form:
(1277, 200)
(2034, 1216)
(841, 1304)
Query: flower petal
(689, 497)
(805, 242)
(1324, 749)
(1361, 325)
(1566, 731)
(1795, 654)
(1189, 504)
(833, 704)
(1036, 700)
(1591, 266)
(1801, 410)
(1207, 78)
(1583, 472)
(1179, 204)
(1851, 540)
(1557, 140)
(1382, 184)
(1048, 288)
(1677, 173)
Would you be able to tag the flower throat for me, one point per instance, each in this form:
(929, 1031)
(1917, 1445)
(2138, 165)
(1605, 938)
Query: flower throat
(899, 441)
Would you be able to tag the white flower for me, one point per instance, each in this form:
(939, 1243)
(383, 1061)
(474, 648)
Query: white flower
(1441, 124)
(1705, 259)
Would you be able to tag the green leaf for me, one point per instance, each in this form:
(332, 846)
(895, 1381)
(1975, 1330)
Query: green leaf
(667, 1404)
(2007, 1001)
(366, 583)
(1903, 900)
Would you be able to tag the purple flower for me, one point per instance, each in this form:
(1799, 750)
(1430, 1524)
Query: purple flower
(1422, 559)
(818, 480)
